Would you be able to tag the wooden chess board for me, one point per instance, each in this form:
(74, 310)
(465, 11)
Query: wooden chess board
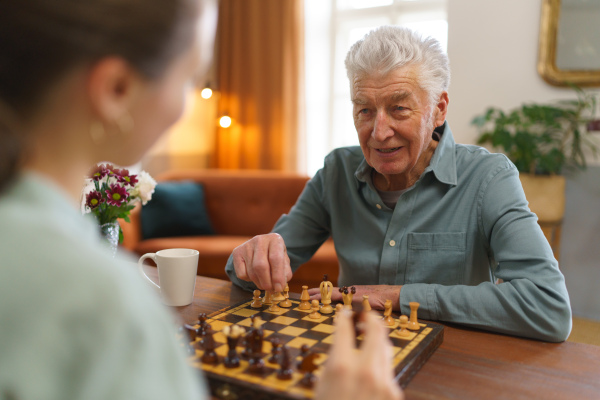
(294, 328)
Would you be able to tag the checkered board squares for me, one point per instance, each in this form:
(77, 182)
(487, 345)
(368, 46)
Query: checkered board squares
(294, 328)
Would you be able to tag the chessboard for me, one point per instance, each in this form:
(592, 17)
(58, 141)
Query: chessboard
(293, 328)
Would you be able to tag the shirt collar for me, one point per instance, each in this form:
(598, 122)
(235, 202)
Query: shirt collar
(443, 162)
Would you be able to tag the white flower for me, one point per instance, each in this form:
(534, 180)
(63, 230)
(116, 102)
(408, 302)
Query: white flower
(144, 188)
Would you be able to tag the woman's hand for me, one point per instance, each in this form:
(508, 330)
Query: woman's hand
(366, 374)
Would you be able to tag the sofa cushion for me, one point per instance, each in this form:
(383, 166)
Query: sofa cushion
(176, 209)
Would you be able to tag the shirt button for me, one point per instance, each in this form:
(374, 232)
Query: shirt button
(378, 206)
(392, 243)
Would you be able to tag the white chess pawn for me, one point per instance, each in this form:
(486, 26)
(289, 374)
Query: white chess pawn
(315, 310)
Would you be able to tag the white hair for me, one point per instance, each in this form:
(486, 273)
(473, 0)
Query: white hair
(388, 48)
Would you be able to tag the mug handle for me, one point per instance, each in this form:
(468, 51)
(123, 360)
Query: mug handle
(141, 269)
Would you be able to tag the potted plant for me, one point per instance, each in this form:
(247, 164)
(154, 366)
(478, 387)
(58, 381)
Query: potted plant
(543, 141)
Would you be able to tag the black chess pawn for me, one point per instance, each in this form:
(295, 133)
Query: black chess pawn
(275, 351)
(304, 350)
(308, 366)
(285, 365)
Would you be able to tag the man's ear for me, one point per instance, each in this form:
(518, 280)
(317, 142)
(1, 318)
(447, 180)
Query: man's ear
(441, 109)
(112, 88)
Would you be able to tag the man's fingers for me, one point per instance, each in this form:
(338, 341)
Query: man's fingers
(239, 264)
(279, 262)
(260, 271)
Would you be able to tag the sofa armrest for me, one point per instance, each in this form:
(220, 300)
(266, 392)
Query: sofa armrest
(132, 231)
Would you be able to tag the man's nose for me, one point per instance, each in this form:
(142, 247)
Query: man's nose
(382, 128)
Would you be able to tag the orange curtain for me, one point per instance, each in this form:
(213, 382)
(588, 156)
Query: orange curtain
(259, 77)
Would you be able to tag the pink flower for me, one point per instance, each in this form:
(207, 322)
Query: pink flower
(93, 199)
(124, 177)
(116, 195)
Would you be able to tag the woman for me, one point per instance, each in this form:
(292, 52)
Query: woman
(80, 83)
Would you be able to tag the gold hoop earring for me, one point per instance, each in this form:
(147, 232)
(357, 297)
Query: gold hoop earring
(125, 124)
(97, 132)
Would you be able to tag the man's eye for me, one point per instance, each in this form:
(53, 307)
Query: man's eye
(400, 108)
(364, 111)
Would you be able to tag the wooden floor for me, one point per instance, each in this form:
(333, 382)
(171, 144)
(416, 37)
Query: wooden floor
(585, 331)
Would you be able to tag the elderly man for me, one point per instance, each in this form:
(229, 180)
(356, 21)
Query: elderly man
(413, 215)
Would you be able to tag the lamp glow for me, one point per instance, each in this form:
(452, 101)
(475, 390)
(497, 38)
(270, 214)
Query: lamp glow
(225, 121)
(206, 93)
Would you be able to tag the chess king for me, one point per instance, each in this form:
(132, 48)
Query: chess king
(415, 216)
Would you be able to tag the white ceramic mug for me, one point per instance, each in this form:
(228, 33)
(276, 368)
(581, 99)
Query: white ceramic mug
(176, 274)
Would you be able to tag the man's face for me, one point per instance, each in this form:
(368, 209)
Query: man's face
(394, 119)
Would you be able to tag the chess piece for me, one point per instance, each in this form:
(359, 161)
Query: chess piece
(285, 363)
(286, 294)
(413, 324)
(268, 298)
(256, 300)
(304, 299)
(347, 293)
(326, 290)
(274, 307)
(202, 329)
(387, 313)
(403, 332)
(278, 297)
(254, 344)
(338, 309)
(366, 305)
(233, 334)
(202, 322)
(210, 355)
(308, 366)
(189, 332)
(315, 310)
(275, 351)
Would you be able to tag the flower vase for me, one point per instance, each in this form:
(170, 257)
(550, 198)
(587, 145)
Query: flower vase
(110, 234)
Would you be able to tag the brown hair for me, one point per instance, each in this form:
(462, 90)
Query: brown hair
(41, 40)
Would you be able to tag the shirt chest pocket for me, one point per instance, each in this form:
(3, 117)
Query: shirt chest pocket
(436, 258)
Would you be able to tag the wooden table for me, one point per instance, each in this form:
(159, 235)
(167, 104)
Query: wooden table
(469, 364)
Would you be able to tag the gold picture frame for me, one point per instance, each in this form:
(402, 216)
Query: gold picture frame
(547, 52)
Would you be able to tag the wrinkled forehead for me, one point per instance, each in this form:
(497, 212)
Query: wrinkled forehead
(402, 82)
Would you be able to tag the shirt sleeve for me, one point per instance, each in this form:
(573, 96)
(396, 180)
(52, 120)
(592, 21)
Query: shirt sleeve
(532, 301)
(303, 230)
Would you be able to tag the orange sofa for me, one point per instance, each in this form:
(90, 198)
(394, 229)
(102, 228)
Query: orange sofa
(240, 205)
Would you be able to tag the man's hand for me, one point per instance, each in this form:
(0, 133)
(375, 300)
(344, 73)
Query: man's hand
(378, 294)
(264, 261)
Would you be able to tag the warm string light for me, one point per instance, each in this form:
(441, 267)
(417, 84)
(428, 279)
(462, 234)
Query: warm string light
(206, 93)
(225, 121)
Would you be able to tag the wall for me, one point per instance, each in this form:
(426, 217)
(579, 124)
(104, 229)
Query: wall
(190, 142)
(493, 47)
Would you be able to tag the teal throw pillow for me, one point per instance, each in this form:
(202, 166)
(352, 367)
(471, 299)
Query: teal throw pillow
(177, 208)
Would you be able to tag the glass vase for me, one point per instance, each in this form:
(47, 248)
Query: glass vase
(110, 235)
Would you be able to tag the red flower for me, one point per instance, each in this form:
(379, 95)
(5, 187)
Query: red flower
(124, 177)
(93, 199)
(116, 195)
(101, 171)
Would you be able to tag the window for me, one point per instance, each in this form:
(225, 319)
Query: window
(332, 26)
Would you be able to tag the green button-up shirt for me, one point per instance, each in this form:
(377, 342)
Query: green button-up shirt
(464, 224)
